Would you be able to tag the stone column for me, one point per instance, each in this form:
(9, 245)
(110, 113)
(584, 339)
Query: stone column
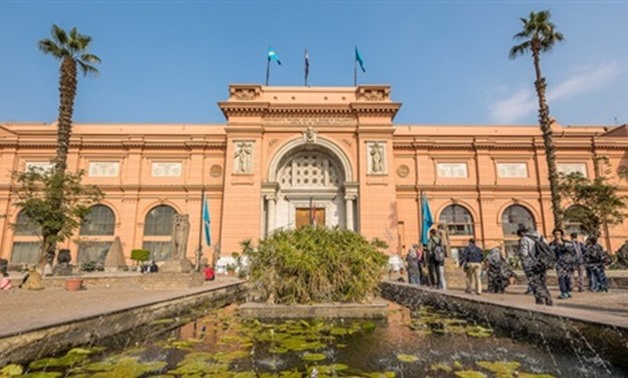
(349, 211)
(270, 214)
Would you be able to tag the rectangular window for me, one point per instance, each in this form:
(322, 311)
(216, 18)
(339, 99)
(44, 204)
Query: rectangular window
(452, 170)
(25, 252)
(166, 169)
(104, 169)
(567, 168)
(512, 170)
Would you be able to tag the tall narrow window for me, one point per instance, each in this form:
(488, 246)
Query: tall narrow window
(96, 233)
(158, 232)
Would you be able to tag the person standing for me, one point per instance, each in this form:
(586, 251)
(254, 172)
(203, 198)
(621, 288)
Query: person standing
(580, 265)
(533, 266)
(437, 254)
(498, 271)
(565, 262)
(596, 258)
(412, 265)
(471, 261)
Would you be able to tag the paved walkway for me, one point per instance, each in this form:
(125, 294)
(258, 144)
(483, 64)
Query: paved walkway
(22, 310)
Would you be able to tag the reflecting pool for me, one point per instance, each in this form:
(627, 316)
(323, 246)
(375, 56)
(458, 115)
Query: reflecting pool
(407, 344)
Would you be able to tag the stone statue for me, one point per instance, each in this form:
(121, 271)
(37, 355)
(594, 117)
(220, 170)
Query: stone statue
(180, 235)
(377, 159)
(242, 156)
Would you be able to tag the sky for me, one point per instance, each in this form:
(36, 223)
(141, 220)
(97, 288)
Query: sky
(168, 61)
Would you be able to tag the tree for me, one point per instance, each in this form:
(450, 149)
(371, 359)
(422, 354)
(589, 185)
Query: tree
(55, 201)
(594, 202)
(71, 49)
(539, 35)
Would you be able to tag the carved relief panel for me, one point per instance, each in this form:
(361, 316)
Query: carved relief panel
(243, 157)
(376, 158)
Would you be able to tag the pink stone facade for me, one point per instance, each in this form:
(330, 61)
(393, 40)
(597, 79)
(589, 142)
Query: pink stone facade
(283, 150)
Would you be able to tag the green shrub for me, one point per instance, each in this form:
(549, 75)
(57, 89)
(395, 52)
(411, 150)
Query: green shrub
(315, 265)
(140, 254)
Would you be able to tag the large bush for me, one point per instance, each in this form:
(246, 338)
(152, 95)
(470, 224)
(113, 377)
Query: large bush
(315, 265)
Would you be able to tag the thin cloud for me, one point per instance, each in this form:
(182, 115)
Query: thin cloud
(524, 102)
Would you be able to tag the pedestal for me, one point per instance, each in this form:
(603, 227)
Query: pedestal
(454, 275)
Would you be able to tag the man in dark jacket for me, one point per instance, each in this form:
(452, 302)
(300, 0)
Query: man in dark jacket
(535, 272)
(565, 262)
(471, 261)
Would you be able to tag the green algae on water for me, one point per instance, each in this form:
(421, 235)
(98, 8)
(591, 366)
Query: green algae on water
(502, 369)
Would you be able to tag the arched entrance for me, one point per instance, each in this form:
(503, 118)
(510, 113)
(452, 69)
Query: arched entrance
(309, 183)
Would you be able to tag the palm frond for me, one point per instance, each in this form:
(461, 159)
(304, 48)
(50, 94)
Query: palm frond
(59, 35)
(90, 58)
(87, 69)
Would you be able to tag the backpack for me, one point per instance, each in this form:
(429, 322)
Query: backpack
(439, 253)
(544, 256)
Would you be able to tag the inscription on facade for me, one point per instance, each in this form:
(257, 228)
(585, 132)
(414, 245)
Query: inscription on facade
(104, 169)
(512, 170)
(567, 168)
(43, 165)
(452, 170)
(166, 169)
(313, 121)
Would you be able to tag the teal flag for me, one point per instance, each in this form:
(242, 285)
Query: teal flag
(207, 222)
(272, 55)
(358, 59)
(427, 220)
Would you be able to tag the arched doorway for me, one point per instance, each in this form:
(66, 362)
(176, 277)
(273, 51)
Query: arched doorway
(310, 184)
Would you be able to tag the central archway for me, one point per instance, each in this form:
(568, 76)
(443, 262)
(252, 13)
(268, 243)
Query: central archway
(309, 183)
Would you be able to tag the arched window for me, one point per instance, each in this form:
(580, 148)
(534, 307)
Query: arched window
(100, 221)
(24, 226)
(27, 242)
(572, 226)
(513, 218)
(158, 231)
(458, 219)
(98, 226)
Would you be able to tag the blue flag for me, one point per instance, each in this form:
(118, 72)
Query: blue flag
(358, 59)
(272, 55)
(427, 220)
(206, 222)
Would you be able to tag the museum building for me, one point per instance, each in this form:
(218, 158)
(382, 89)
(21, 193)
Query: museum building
(292, 156)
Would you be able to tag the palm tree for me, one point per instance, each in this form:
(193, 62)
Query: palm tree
(539, 35)
(71, 49)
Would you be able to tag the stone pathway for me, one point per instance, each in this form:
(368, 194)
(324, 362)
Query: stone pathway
(22, 310)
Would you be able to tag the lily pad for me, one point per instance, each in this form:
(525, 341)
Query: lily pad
(532, 375)
(407, 358)
(470, 374)
(11, 370)
(387, 374)
(502, 369)
(441, 367)
(313, 357)
(71, 358)
(126, 367)
(43, 374)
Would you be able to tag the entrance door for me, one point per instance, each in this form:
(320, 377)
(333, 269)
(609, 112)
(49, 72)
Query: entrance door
(304, 216)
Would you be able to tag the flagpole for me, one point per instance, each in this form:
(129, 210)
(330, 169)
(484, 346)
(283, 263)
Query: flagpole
(355, 67)
(420, 216)
(200, 233)
(267, 70)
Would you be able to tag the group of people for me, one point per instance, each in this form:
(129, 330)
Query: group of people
(425, 264)
(567, 256)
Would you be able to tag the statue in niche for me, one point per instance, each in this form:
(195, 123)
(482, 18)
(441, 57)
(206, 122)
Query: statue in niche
(180, 235)
(309, 135)
(242, 155)
(377, 158)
